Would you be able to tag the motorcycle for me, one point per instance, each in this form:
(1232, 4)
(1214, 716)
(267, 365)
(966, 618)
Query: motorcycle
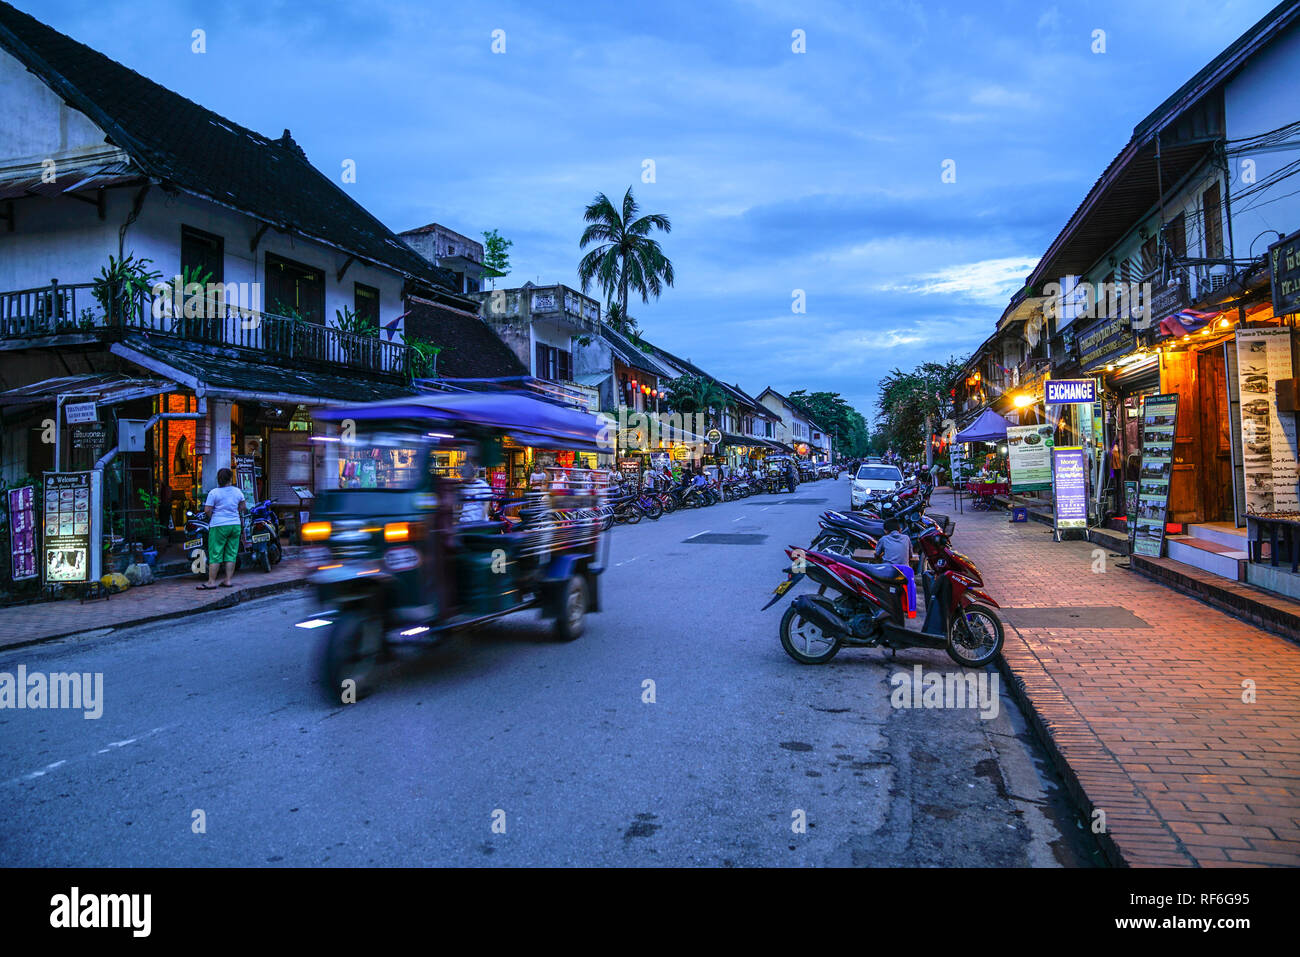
(255, 541)
(867, 606)
(262, 512)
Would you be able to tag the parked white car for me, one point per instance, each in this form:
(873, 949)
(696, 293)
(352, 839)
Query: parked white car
(873, 478)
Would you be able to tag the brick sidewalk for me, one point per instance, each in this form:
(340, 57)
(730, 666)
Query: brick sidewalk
(1149, 722)
(167, 598)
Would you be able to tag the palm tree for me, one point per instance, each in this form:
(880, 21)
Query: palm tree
(627, 258)
(696, 394)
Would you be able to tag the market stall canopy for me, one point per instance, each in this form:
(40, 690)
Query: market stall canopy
(526, 420)
(989, 427)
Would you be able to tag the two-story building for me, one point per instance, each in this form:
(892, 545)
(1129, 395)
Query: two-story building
(797, 430)
(162, 264)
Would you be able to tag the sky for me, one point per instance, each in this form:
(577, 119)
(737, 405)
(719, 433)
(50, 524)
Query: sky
(820, 171)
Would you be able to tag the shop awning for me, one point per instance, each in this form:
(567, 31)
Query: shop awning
(221, 377)
(105, 389)
(989, 427)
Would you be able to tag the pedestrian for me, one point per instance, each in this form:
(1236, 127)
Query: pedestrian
(224, 510)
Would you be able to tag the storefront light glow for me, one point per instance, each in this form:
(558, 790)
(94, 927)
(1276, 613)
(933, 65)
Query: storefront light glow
(1023, 400)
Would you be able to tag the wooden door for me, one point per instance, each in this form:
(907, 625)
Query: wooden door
(1180, 374)
(1215, 438)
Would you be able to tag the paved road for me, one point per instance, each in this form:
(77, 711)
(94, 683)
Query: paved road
(218, 714)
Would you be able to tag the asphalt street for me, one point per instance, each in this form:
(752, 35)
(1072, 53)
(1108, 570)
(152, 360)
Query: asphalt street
(505, 748)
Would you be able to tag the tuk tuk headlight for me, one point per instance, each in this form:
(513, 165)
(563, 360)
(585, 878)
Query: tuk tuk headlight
(316, 531)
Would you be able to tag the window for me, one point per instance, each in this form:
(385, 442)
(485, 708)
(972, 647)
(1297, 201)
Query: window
(1176, 236)
(292, 287)
(366, 306)
(553, 363)
(202, 253)
(1210, 208)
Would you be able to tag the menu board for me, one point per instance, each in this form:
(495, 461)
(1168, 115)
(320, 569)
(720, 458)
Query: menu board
(1159, 421)
(71, 526)
(1268, 439)
(246, 473)
(1069, 488)
(22, 533)
(1029, 450)
(1130, 511)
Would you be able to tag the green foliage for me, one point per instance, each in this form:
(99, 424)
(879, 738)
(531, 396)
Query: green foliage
(626, 257)
(423, 356)
(907, 398)
(690, 394)
(354, 324)
(152, 525)
(122, 283)
(496, 255)
(847, 427)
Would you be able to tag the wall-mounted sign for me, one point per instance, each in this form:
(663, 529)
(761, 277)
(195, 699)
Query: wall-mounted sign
(1029, 452)
(1268, 439)
(79, 412)
(1104, 339)
(1069, 488)
(94, 436)
(1067, 391)
(1159, 421)
(1284, 270)
(713, 436)
(71, 520)
(22, 533)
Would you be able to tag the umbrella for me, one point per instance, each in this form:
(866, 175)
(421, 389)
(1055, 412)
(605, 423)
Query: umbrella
(989, 427)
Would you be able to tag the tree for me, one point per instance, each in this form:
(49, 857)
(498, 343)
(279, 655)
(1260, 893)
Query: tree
(627, 258)
(691, 393)
(496, 255)
(847, 427)
(913, 403)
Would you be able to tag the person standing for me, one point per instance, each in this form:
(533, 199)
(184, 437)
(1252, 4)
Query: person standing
(224, 510)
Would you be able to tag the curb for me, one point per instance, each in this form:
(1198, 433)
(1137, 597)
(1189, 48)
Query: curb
(226, 601)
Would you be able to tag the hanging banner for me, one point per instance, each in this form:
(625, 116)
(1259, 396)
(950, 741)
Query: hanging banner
(1268, 439)
(22, 533)
(1029, 451)
(71, 518)
(1069, 488)
(1159, 420)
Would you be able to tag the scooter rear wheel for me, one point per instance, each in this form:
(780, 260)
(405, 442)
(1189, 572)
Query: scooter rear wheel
(975, 636)
(349, 651)
(804, 641)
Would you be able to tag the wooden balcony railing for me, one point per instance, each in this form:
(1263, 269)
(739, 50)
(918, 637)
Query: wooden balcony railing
(72, 308)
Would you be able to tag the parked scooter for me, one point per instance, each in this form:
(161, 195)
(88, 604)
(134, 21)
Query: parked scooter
(866, 604)
(255, 541)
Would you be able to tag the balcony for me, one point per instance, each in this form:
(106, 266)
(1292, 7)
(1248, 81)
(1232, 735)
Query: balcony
(556, 303)
(61, 310)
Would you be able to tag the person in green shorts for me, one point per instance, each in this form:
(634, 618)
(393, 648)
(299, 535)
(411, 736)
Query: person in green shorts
(224, 510)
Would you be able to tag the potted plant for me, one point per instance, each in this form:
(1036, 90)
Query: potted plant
(357, 327)
(122, 284)
(148, 549)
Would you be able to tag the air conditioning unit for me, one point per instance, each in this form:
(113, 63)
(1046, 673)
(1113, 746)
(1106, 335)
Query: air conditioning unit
(1218, 278)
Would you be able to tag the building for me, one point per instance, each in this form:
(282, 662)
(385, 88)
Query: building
(254, 289)
(797, 430)
(461, 256)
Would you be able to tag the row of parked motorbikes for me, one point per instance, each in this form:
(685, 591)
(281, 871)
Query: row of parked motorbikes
(864, 603)
(628, 503)
(259, 544)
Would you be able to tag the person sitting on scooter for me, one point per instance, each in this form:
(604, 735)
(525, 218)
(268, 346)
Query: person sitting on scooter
(895, 548)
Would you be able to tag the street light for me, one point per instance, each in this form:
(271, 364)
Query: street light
(1023, 400)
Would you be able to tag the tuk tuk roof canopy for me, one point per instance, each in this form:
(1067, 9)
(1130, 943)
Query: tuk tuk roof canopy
(528, 421)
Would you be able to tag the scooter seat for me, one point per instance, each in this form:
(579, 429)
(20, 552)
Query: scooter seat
(880, 571)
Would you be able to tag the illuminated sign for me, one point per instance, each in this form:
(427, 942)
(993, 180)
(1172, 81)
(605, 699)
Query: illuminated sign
(1067, 391)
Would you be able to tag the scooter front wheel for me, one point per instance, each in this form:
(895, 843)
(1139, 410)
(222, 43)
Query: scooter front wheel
(975, 636)
(349, 652)
(804, 641)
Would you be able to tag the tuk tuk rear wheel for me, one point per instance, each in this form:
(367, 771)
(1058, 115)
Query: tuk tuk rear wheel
(571, 621)
(349, 652)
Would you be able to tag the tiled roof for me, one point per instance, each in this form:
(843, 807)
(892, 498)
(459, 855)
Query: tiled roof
(178, 142)
(470, 349)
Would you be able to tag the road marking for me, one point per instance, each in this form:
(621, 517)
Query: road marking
(698, 534)
(628, 562)
(113, 745)
(738, 519)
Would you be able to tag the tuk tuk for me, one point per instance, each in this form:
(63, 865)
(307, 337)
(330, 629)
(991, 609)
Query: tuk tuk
(394, 560)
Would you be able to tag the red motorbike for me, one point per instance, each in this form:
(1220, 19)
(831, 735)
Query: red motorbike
(866, 604)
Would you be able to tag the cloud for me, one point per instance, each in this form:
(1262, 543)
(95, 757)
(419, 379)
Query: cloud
(991, 281)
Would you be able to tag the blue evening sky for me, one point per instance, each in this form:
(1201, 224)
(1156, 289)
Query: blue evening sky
(818, 171)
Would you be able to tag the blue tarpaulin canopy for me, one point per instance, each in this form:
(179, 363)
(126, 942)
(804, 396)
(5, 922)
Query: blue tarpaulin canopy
(989, 427)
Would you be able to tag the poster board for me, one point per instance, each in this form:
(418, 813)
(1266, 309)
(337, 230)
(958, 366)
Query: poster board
(1029, 453)
(71, 519)
(1159, 422)
(1069, 489)
(23, 538)
(1268, 438)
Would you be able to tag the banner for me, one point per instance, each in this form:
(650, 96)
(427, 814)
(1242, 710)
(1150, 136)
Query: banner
(22, 533)
(1268, 439)
(1030, 457)
(71, 519)
(1159, 421)
(1069, 488)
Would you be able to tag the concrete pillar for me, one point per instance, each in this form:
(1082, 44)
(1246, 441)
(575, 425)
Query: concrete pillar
(218, 456)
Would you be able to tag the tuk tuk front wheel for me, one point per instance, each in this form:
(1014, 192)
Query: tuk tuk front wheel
(349, 653)
(571, 621)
